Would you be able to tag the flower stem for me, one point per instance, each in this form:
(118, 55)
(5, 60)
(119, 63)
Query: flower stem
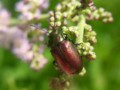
(81, 26)
(14, 21)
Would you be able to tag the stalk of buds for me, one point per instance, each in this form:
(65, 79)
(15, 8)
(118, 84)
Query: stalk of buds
(69, 23)
(71, 38)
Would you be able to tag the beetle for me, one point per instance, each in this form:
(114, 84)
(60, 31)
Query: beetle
(66, 56)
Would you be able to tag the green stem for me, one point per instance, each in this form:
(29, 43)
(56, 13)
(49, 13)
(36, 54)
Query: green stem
(14, 21)
(81, 26)
(44, 16)
(1, 56)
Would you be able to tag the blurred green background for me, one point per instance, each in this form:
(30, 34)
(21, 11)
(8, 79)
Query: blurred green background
(102, 74)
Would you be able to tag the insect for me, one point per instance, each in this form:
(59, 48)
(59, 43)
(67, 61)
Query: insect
(66, 56)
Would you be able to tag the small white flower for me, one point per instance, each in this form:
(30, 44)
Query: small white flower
(39, 62)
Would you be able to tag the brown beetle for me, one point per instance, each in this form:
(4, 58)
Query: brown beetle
(67, 57)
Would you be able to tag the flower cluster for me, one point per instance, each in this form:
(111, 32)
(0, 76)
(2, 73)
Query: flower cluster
(69, 21)
(31, 9)
(98, 14)
(59, 83)
(25, 41)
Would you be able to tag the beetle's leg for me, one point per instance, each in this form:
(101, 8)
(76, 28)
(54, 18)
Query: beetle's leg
(56, 65)
(54, 62)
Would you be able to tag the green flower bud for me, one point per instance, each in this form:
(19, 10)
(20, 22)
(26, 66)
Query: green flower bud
(58, 23)
(59, 7)
(51, 13)
(52, 24)
(52, 19)
(64, 14)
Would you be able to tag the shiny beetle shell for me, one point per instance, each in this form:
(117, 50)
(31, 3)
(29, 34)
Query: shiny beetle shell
(67, 57)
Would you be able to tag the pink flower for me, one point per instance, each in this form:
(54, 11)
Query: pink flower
(31, 9)
(16, 38)
(4, 18)
(43, 3)
(22, 7)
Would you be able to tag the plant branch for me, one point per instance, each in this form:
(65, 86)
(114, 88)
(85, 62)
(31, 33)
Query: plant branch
(81, 26)
(14, 21)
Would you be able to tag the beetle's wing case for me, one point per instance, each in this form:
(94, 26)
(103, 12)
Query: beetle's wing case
(67, 57)
(63, 65)
(71, 55)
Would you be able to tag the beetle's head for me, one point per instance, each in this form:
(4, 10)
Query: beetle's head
(54, 39)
